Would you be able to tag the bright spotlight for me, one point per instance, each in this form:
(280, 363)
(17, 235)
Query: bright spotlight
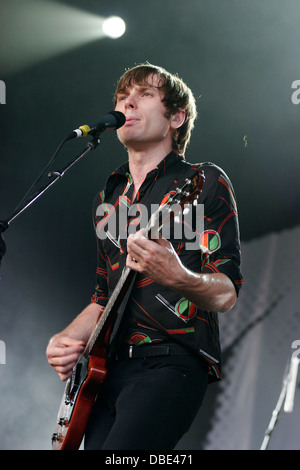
(114, 27)
(35, 30)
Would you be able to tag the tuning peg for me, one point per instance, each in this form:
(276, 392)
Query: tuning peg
(195, 202)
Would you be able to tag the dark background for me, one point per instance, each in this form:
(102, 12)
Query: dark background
(239, 57)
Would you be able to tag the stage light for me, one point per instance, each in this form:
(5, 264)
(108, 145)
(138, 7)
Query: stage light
(114, 27)
(35, 30)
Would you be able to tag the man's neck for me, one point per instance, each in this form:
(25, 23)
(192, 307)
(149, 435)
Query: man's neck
(142, 162)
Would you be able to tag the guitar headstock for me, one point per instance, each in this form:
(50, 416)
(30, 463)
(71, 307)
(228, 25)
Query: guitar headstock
(183, 196)
(189, 191)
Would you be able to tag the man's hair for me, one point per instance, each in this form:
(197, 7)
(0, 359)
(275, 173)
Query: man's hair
(177, 97)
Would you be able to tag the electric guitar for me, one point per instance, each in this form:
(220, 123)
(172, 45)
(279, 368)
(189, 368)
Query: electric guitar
(90, 370)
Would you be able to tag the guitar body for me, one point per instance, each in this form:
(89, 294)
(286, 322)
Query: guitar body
(80, 393)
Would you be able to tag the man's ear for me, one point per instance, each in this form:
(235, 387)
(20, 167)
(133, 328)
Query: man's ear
(177, 119)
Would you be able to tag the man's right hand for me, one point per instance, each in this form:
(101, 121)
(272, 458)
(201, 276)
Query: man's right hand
(62, 353)
(64, 349)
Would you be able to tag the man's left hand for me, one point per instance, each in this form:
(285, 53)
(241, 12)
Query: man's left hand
(155, 258)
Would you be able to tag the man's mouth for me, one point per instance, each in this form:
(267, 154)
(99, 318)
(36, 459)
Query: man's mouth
(131, 119)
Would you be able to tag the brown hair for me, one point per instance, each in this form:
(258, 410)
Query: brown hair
(177, 97)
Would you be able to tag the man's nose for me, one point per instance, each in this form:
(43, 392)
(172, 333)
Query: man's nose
(130, 101)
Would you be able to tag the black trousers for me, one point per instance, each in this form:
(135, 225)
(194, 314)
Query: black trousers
(147, 403)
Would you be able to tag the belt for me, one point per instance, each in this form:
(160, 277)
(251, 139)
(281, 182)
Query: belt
(131, 351)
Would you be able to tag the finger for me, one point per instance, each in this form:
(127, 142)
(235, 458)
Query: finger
(132, 263)
(137, 238)
(135, 250)
(64, 371)
(65, 375)
(163, 242)
(140, 233)
(60, 354)
(63, 341)
(65, 367)
(58, 345)
(63, 361)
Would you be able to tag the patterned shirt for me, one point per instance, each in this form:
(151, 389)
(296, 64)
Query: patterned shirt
(208, 243)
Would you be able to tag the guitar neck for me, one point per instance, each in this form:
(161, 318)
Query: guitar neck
(111, 310)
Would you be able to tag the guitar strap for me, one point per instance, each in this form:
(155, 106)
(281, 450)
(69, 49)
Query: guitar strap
(161, 187)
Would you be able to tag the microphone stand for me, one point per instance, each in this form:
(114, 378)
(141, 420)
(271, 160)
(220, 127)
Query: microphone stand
(285, 399)
(56, 176)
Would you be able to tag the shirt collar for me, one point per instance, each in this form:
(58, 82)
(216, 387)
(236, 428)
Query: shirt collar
(168, 161)
(122, 173)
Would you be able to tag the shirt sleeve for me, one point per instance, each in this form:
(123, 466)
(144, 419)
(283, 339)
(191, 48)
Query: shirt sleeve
(220, 240)
(100, 295)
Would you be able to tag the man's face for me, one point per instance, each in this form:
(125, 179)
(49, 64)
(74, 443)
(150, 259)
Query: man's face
(146, 124)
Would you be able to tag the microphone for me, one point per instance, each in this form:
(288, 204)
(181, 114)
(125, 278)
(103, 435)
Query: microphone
(112, 120)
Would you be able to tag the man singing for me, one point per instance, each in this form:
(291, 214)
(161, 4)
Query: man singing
(167, 350)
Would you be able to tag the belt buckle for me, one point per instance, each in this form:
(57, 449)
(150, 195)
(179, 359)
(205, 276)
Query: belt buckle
(130, 351)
